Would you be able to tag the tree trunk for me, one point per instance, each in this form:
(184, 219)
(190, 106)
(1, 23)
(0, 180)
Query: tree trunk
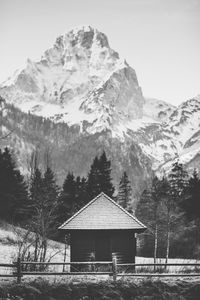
(36, 248)
(34, 267)
(44, 250)
(65, 254)
(155, 244)
(168, 238)
(1, 120)
(197, 232)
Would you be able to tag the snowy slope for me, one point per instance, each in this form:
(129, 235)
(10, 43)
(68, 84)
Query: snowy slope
(179, 135)
(80, 65)
(84, 83)
(13, 237)
(185, 120)
(157, 109)
(184, 128)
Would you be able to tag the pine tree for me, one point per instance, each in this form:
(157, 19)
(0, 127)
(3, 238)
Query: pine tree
(99, 177)
(145, 214)
(67, 203)
(191, 203)
(50, 187)
(36, 190)
(72, 198)
(178, 179)
(149, 210)
(2, 106)
(21, 199)
(43, 209)
(93, 181)
(13, 189)
(105, 175)
(125, 192)
(81, 195)
(51, 191)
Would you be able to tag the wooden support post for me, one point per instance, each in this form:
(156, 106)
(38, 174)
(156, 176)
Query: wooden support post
(19, 270)
(114, 267)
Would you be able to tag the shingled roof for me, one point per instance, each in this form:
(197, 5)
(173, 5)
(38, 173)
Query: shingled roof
(102, 213)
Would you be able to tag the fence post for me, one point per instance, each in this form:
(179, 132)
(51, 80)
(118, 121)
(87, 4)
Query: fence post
(114, 267)
(19, 270)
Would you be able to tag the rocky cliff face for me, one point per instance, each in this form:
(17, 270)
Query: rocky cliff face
(81, 98)
(77, 79)
(183, 127)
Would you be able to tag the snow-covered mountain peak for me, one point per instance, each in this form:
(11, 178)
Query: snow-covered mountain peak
(185, 112)
(80, 73)
(83, 82)
(84, 47)
(86, 35)
(183, 128)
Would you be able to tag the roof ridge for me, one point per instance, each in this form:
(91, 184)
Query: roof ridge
(124, 210)
(108, 198)
(80, 210)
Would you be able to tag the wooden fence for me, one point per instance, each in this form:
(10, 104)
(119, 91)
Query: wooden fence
(19, 269)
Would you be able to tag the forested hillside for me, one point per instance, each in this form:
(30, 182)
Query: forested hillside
(72, 149)
(169, 206)
(170, 209)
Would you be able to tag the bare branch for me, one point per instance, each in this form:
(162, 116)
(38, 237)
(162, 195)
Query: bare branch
(7, 135)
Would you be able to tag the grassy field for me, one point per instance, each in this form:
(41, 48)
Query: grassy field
(169, 269)
(11, 238)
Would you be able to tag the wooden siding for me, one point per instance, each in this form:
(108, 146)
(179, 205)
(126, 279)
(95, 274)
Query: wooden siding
(82, 246)
(124, 246)
(100, 245)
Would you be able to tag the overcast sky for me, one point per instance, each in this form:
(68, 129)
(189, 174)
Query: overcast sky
(160, 39)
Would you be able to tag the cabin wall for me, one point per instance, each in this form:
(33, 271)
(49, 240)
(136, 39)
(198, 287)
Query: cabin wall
(100, 245)
(82, 246)
(124, 246)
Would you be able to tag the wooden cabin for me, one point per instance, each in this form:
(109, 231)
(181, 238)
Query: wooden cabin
(102, 229)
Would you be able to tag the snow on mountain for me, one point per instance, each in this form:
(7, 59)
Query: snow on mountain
(79, 66)
(166, 133)
(157, 109)
(185, 119)
(82, 82)
(184, 128)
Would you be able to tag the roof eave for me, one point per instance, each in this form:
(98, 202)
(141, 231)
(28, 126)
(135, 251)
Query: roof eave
(91, 229)
(92, 201)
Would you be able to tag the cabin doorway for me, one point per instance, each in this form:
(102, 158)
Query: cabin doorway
(102, 247)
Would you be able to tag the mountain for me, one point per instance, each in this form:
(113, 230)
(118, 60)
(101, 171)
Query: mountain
(184, 128)
(81, 98)
(175, 136)
(72, 149)
(80, 74)
(157, 109)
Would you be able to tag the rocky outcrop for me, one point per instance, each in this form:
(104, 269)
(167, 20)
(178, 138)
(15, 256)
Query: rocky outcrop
(79, 70)
(81, 98)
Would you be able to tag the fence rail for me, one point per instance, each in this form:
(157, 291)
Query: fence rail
(19, 271)
(68, 263)
(161, 264)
